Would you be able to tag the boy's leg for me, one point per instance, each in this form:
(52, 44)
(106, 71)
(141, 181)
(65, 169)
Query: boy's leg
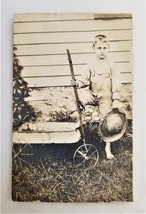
(85, 97)
(109, 155)
(105, 106)
(87, 101)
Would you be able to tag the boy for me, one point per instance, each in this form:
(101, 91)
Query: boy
(100, 84)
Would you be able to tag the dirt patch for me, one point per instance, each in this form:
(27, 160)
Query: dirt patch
(58, 104)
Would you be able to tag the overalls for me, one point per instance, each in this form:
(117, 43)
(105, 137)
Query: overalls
(101, 90)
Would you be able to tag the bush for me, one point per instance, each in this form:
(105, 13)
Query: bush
(22, 111)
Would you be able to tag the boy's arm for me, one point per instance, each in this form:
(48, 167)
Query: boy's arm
(83, 80)
(116, 87)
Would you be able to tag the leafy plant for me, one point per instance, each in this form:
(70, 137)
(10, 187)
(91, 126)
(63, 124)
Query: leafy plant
(22, 111)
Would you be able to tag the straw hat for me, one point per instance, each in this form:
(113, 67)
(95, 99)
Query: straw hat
(113, 126)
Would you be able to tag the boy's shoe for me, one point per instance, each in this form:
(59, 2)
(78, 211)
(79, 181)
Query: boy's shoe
(95, 115)
(86, 117)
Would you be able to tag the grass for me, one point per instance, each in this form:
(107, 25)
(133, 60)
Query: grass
(46, 172)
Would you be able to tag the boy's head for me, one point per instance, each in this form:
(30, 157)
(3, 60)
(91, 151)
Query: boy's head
(101, 46)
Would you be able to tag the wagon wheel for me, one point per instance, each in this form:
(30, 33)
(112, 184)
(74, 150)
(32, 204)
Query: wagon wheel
(86, 156)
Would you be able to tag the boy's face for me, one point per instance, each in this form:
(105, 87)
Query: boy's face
(101, 49)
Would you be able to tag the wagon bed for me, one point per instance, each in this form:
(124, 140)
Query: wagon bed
(48, 132)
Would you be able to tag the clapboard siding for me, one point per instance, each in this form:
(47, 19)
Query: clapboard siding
(63, 80)
(55, 70)
(41, 49)
(69, 37)
(62, 59)
(39, 17)
(51, 71)
(42, 39)
(57, 26)
(49, 17)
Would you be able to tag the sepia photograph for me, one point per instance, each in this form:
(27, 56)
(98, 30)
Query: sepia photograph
(72, 107)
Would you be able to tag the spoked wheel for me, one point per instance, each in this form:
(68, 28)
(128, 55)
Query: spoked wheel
(86, 156)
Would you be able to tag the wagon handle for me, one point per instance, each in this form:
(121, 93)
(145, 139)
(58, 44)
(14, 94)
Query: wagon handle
(76, 95)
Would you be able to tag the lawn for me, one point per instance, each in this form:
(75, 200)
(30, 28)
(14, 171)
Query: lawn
(46, 172)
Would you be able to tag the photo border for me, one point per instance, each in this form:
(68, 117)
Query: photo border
(57, 6)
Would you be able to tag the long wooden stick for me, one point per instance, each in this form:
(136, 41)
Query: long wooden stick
(76, 95)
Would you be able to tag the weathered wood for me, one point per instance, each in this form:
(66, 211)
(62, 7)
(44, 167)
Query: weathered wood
(48, 81)
(51, 71)
(39, 17)
(63, 81)
(40, 38)
(49, 127)
(56, 137)
(71, 26)
(112, 16)
(39, 49)
(62, 59)
(124, 67)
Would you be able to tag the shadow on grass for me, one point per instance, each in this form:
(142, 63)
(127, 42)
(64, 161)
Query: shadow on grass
(46, 172)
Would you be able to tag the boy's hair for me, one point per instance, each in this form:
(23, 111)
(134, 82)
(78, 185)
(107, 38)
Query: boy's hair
(100, 38)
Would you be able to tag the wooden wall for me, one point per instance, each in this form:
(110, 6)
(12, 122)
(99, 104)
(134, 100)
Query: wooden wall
(42, 39)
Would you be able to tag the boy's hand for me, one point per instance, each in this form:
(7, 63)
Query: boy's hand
(116, 104)
(73, 82)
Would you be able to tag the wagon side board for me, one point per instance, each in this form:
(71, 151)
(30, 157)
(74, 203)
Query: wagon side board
(50, 132)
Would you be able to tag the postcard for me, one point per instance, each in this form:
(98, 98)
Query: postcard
(72, 107)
